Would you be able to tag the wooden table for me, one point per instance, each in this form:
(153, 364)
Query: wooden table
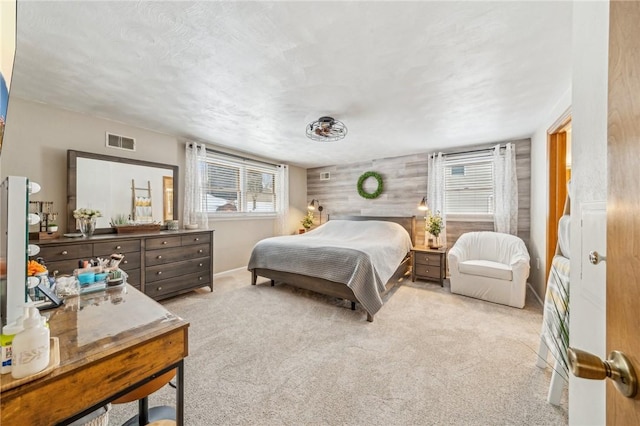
(429, 264)
(111, 342)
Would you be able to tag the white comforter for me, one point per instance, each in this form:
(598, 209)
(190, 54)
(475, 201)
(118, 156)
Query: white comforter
(360, 254)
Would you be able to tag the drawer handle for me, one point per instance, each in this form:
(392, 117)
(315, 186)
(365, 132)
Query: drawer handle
(196, 239)
(159, 257)
(118, 247)
(159, 288)
(200, 251)
(56, 272)
(199, 278)
(164, 242)
(64, 252)
(159, 272)
(200, 264)
(125, 261)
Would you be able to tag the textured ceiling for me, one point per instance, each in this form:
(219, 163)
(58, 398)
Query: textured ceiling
(404, 77)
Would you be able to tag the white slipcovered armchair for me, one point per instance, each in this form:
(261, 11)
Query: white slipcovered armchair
(490, 266)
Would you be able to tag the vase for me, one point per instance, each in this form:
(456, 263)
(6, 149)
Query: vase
(87, 226)
(435, 242)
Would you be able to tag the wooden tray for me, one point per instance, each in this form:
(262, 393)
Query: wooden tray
(132, 229)
(8, 382)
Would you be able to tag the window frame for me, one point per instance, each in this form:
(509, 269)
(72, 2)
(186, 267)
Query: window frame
(465, 159)
(242, 165)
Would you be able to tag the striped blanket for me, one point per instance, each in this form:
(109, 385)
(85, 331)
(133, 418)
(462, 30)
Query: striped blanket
(555, 321)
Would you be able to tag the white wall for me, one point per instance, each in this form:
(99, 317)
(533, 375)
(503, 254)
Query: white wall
(540, 195)
(589, 184)
(37, 139)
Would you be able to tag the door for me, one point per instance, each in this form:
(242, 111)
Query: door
(623, 200)
(559, 168)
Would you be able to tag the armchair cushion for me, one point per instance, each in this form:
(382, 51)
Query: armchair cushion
(486, 268)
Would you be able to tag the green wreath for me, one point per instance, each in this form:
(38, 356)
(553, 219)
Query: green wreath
(363, 178)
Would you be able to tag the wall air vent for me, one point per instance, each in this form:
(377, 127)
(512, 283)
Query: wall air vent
(121, 142)
(324, 176)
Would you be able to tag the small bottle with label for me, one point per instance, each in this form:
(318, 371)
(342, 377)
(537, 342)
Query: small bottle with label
(6, 344)
(30, 347)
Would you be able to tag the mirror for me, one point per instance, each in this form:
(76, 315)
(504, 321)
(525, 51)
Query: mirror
(120, 186)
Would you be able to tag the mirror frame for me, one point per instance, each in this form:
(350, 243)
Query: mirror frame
(72, 158)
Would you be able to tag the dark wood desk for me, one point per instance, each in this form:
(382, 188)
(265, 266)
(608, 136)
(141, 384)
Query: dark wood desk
(110, 343)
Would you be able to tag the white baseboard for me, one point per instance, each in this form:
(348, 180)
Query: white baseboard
(535, 294)
(242, 268)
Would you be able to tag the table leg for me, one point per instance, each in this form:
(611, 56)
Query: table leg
(180, 394)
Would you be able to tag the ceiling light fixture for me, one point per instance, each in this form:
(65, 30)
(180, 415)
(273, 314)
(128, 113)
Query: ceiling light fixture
(326, 129)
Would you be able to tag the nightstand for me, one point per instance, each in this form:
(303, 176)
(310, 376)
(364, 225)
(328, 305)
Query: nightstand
(429, 264)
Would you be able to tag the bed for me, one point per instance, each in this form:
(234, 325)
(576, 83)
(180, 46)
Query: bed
(357, 258)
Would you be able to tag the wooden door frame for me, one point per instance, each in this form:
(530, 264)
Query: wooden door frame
(557, 180)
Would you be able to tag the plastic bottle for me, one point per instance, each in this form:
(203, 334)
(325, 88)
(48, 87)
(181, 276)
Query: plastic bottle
(30, 347)
(6, 343)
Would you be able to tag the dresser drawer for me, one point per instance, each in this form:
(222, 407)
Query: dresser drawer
(163, 242)
(157, 257)
(133, 278)
(427, 258)
(165, 288)
(195, 239)
(176, 269)
(108, 248)
(428, 271)
(66, 252)
(61, 267)
(130, 261)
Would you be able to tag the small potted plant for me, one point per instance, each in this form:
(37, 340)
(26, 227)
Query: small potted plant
(307, 221)
(434, 226)
(52, 227)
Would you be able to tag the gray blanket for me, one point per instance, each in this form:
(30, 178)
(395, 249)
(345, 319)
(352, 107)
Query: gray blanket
(360, 254)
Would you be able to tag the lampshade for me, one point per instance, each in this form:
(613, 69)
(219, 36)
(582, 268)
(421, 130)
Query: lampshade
(423, 204)
(313, 203)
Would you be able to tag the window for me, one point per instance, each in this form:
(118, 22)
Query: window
(469, 183)
(236, 185)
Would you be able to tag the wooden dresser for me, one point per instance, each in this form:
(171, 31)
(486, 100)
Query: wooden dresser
(160, 264)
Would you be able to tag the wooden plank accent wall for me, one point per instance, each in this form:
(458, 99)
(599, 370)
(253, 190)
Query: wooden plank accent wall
(405, 183)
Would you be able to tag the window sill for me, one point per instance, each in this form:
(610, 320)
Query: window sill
(457, 217)
(242, 216)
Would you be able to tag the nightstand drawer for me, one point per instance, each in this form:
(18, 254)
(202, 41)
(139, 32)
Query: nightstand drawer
(427, 258)
(428, 271)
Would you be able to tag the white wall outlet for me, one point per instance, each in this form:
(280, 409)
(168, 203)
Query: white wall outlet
(537, 263)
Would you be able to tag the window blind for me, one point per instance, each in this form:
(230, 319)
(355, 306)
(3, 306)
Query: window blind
(469, 184)
(237, 185)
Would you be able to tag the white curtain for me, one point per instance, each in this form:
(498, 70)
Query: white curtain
(436, 190)
(195, 178)
(282, 200)
(505, 189)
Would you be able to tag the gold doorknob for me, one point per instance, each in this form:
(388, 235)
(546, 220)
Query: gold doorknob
(618, 368)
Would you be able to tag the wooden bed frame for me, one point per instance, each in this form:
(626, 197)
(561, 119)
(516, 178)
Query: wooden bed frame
(336, 289)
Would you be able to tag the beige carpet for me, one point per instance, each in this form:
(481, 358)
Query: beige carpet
(262, 355)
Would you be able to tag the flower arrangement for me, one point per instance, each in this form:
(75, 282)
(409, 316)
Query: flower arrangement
(433, 224)
(307, 221)
(86, 213)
